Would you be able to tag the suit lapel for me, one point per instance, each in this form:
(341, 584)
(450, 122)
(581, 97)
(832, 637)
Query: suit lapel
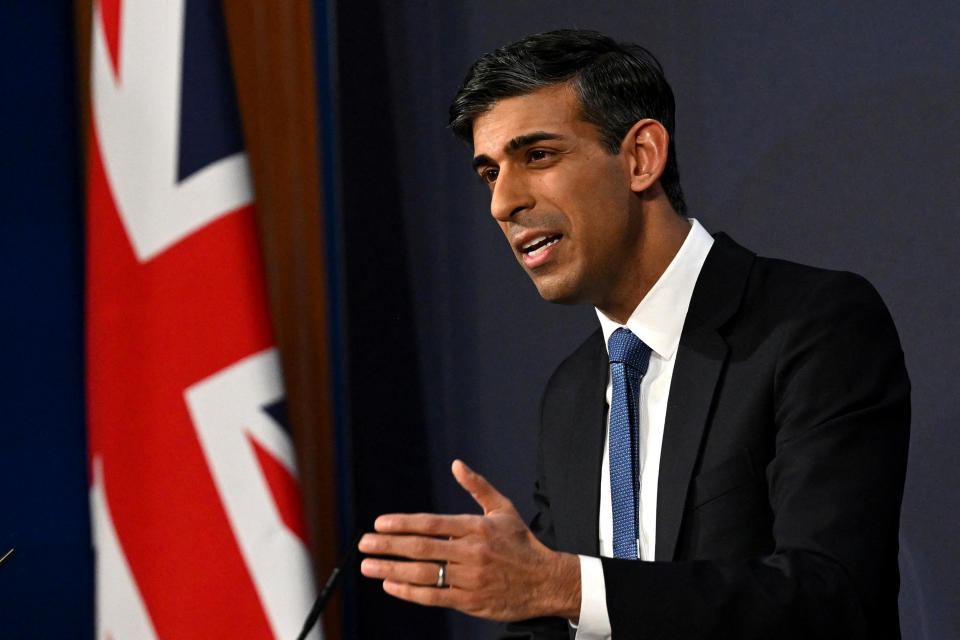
(701, 357)
(584, 431)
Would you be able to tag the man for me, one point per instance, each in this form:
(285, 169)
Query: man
(725, 456)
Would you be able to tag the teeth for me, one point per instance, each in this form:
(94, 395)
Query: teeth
(539, 250)
(533, 242)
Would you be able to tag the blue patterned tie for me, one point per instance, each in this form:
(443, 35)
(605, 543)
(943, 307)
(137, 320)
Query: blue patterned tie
(628, 363)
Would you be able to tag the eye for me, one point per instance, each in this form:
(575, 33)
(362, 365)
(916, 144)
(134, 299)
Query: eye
(489, 175)
(536, 155)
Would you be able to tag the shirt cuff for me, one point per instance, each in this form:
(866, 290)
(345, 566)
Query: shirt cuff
(594, 621)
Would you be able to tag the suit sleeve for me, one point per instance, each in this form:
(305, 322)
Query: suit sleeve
(542, 528)
(835, 481)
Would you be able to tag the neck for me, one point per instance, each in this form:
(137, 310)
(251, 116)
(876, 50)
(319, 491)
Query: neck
(663, 235)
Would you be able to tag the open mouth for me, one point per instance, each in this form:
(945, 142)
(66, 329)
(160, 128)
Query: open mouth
(539, 245)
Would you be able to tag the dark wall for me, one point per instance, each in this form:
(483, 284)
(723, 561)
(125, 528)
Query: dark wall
(826, 135)
(389, 460)
(47, 586)
(823, 134)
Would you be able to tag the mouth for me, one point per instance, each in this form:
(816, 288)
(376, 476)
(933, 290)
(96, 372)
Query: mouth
(537, 250)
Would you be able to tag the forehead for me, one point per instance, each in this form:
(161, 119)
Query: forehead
(554, 109)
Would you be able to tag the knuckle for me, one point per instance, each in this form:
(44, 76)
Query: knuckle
(468, 577)
(476, 524)
(483, 577)
(429, 525)
(475, 553)
(484, 555)
(418, 546)
(438, 526)
(486, 526)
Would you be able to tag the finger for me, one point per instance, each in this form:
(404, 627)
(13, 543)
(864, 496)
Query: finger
(420, 573)
(427, 524)
(481, 490)
(427, 596)
(405, 546)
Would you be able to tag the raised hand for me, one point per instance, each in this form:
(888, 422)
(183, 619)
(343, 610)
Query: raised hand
(493, 566)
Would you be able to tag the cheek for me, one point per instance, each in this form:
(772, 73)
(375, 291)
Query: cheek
(503, 228)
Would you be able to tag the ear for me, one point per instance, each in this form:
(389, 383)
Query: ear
(645, 146)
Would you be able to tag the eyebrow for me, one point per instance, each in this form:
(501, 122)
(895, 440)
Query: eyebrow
(516, 144)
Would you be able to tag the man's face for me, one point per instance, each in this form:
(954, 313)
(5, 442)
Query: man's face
(563, 202)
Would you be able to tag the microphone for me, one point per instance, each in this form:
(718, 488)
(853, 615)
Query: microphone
(327, 589)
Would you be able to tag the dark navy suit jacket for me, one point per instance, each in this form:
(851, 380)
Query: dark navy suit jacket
(782, 468)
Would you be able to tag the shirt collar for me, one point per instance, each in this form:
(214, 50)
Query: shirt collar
(658, 319)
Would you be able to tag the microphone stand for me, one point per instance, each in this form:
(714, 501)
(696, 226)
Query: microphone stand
(327, 589)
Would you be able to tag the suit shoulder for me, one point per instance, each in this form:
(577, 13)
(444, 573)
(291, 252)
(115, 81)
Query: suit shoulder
(807, 276)
(583, 358)
(806, 289)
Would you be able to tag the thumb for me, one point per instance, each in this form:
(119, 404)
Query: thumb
(481, 490)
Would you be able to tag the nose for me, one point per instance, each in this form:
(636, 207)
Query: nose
(511, 194)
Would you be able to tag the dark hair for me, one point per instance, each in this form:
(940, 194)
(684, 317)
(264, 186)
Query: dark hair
(617, 84)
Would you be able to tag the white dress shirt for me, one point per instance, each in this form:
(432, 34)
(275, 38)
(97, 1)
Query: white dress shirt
(657, 321)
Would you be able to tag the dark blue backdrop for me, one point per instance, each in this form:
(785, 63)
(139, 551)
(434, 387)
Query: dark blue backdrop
(43, 478)
(874, 191)
(825, 133)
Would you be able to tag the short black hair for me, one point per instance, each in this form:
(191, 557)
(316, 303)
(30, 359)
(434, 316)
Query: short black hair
(618, 84)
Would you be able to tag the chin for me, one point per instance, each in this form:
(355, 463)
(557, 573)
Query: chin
(558, 292)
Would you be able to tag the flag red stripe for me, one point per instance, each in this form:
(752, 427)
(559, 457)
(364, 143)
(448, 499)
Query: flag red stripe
(285, 489)
(153, 330)
(110, 13)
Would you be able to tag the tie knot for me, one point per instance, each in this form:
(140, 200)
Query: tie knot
(629, 349)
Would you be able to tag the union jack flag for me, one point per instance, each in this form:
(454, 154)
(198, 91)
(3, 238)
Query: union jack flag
(194, 498)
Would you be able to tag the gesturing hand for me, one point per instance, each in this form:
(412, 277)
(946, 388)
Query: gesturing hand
(495, 567)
